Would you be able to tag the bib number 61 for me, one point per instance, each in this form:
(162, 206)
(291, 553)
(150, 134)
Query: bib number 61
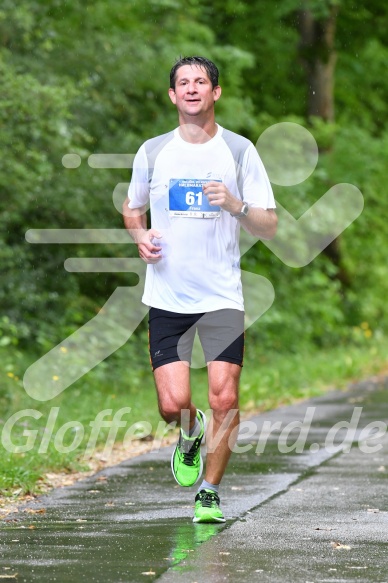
(190, 198)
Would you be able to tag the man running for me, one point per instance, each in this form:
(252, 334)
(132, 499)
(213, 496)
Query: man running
(202, 182)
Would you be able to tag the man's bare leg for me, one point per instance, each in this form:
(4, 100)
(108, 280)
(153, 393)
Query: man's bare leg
(223, 400)
(173, 387)
(174, 394)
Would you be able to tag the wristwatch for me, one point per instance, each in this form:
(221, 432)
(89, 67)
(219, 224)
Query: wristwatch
(243, 213)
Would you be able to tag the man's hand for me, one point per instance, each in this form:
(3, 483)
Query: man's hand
(135, 221)
(259, 222)
(148, 251)
(219, 195)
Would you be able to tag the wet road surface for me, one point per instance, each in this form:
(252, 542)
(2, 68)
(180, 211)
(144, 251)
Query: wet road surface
(315, 516)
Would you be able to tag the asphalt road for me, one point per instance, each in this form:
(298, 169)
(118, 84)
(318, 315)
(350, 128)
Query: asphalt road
(312, 515)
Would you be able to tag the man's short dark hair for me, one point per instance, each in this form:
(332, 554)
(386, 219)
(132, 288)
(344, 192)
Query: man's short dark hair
(209, 67)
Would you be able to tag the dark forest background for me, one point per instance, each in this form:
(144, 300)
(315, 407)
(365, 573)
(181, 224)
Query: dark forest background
(92, 77)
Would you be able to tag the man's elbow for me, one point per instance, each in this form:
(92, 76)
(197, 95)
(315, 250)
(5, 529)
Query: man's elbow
(132, 213)
(125, 210)
(270, 229)
(273, 227)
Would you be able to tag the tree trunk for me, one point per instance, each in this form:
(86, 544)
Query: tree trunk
(319, 58)
(317, 38)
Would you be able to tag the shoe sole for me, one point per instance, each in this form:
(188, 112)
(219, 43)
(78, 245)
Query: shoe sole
(208, 519)
(200, 458)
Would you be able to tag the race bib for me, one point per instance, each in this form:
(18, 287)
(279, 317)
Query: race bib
(186, 199)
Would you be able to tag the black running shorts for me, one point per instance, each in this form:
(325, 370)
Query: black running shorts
(171, 336)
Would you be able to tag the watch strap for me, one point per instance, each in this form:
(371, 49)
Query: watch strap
(243, 213)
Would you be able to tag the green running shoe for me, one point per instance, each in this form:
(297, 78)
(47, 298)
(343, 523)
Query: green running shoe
(186, 460)
(207, 507)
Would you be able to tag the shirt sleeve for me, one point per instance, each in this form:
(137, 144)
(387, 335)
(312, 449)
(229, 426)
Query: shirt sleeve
(139, 188)
(257, 190)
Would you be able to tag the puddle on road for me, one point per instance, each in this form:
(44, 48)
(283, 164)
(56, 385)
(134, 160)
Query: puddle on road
(128, 552)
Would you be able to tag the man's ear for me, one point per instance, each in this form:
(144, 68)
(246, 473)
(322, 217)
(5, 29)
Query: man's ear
(217, 92)
(172, 95)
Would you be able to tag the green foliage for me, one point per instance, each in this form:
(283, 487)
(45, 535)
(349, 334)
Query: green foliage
(90, 77)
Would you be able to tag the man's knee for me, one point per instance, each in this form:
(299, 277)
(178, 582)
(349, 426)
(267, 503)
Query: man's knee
(173, 388)
(223, 401)
(223, 389)
(171, 409)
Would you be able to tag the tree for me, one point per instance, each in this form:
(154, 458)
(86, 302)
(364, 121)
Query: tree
(317, 49)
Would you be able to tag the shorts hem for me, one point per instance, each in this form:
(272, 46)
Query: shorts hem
(217, 359)
(228, 359)
(156, 365)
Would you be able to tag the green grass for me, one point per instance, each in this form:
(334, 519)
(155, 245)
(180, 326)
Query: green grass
(283, 379)
(268, 381)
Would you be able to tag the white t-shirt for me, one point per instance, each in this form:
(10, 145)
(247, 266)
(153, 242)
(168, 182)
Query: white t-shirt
(200, 266)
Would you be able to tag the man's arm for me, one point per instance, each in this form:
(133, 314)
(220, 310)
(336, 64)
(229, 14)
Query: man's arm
(135, 221)
(259, 222)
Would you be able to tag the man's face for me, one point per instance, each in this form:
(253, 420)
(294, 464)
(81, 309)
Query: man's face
(193, 94)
